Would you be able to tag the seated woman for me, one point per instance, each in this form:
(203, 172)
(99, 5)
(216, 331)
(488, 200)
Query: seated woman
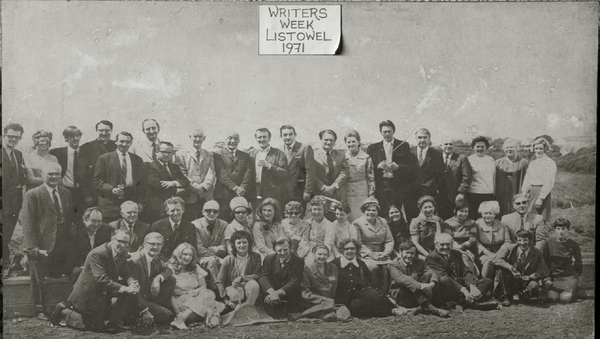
(191, 298)
(398, 226)
(240, 270)
(376, 240)
(240, 209)
(425, 226)
(318, 225)
(464, 232)
(296, 229)
(341, 230)
(354, 285)
(491, 235)
(267, 228)
(563, 257)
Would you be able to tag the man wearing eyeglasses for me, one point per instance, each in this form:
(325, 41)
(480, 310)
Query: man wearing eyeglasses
(522, 220)
(210, 234)
(457, 178)
(173, 228)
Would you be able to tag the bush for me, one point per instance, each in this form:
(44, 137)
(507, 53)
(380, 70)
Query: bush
(583, 161)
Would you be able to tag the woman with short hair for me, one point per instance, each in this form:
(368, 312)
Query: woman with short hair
(492, 234)
(34, 161)
(425, 226)
(539, 180)
(267, 228)
(483, 173)
(296, 229)
(360, 182)
(464, 232)
(510, 172)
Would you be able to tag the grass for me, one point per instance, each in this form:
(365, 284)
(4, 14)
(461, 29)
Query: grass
(574, 190)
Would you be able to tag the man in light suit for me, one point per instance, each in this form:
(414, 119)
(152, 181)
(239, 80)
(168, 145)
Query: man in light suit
(457, 178)
(119, 176)
(430, 174)
(174, 230)
(46, 224)
(234, 174)
(522, 220)
(90, 152)
(198, 166)
(147, 148)
(130, 223)
(165, 180)
(395, 171)
(330, 169)
(300, 168)
(13, 179)
(210, 235)
(269, 167)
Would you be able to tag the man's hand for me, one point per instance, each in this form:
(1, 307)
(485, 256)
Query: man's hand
(393, 166)
(129, 289)
(239, 191)
(43, 252)
(118, 191)
(515, 273)
(155, 287)
(427, 289)
(329, 190)
(469, 298)
(273, 298)
(236, 282)
(167, 184)
(147, 318)
(459, 196)
(475, 292)
(525, 278)
(382, 165)
(306, 196)
(538, 203)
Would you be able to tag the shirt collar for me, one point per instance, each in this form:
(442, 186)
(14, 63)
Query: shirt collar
(72, 150)
(424, 150)
(266, 150)
(148, 257)
(50, 189)
(291, 147)
(521, 251)
(345, 262)
(173, 223)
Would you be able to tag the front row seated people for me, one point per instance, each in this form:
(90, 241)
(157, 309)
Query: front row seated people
(210, 235)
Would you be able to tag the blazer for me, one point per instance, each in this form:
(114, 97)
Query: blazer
(99, 277)
(144, 149)
(457, 176)
(229, 270)
(409, 276)
(405, 175)
(90, 152)
(315, 285)
(300, 171)
(231, 172)
(186, 232)
(339, 169)
(140, 230)
(13, 179)
(533, 222)
(80, 247)
(200, 172)
(40, 219)
(138, 265)
(107, 175)
(210, 244)
(272, 179)
(430, 175)
(62, 155)
(534, 261)
(453, 268)
(157, 194)
(288, 279)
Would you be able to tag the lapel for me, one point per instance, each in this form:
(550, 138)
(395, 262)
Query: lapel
(147, 149)
(228, 154)
(144, 265)
(320, 277)
(514, 255)
(452, 160)
(123, 225)
(48, 198)
(381, 149)
(7, 158)
(322, 157)
(63, 199)
(295, 149)
(202, 156)
(111, 258)
(528, 259)
(163, 170)
(427, 156)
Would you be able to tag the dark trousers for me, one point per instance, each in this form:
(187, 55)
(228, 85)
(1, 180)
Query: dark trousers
(292, 303)
(129, 307)
(388, 195)
(445, 207)
(449, 293)
(225, 211)
(194, 211)
(9, 221)
(406, 298)
(475, 200)
(370, 303)
(52, 266)
(78, 203)
(508, 285)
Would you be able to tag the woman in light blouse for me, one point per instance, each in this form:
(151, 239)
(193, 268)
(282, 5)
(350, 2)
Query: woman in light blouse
(318, 225)
(539, 180)
(483, 172)
(296, 229)
(360, 182)
(425, 226)
(268, 226)
(510, 173)
(34, 161)
(492, 234)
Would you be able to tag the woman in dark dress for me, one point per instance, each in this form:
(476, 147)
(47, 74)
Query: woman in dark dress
(510, 172)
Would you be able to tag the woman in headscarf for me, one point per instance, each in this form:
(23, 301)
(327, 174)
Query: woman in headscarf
(240, 210)
(510, 172)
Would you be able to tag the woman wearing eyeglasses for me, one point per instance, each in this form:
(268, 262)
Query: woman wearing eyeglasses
(296, 229)
(240, 209)
(510, 172)
(267, 228)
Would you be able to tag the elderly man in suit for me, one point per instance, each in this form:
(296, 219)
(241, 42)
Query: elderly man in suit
(234, 174)
(90, 152)
(119, 176)
(165, 180)
(129, 222)
(210, 235)
(46, 224)
(148, 147)
(395, 171)
(269, 167)
(299, 183)
(456, 179)
(198, 166)
(330, 169)
(13, 179)
(173, 228)
(430, 174)
(521, 219)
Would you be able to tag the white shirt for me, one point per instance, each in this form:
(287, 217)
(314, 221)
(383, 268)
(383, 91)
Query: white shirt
(69, 180)
(344, 262)
(541, 172)
(388, 147)
(149, 262)
(260, 155)
(447, 158)
(129, 175)
(92, 239)
(51, 191)
(173, 224)
(421, 153)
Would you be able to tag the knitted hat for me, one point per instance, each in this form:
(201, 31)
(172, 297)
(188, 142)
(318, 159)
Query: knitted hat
(239, 202)
(370, 202)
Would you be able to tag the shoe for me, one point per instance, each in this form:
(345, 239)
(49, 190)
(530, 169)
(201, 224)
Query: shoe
(430, 309)
(113, 328)
(41, 316)
(484, 306)
(57, 316)
(398, 311)
(459, 308)
(294, 316)
(505, 303)
(178, 324)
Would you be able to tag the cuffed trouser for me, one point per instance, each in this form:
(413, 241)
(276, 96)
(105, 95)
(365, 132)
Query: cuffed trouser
(449, 292)
(406, 298)
(370, 303)
(508, 285)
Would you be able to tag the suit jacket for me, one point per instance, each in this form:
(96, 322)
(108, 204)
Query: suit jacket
(534, 261)
(158, 195)
(186, 232)
(315, 285)
(140, 230)
(453, 268)
(457, 176)
(81, 246)
(210, 244)
(533, 222)
(340, 171)
(138, 265)
(107, 175)
(200, 172)
(90, 152)
(99, 276)
(272, 179)
(405, 175)
(409, 277)
(300, 171)
(430, 175)
(288, 279)
(13, 179)
(40, 219)
(62, 155)
(144, 149)
(232, 172)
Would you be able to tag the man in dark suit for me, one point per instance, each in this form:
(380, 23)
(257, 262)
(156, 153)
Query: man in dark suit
(458, 286)
(395, 171)
(90, 152)
(46, 220)
(72, 169)
(330, 170)
(457, 178)
(300, 157)
(119, 176)
(165, 180)
(269, 167)
(173, 229)
(430, 175)
(235, 172)
(130, 223)
(13, 179)
(279, 280)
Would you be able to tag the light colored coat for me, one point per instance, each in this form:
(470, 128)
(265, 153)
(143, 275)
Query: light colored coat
(200, 172)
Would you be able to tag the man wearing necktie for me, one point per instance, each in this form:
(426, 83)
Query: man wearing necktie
(299, 183)
(430, 175)
(520, 219)
(456, 179)
(46, 220)
(129, 222)
(270, 167)
(330, 170)
(173, 228)
(210, 238)
(147, 148)
(88, 157)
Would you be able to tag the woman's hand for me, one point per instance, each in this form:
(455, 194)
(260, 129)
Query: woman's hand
(538, 203)
(178, 292)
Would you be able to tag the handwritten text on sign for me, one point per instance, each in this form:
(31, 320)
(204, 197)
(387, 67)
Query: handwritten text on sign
(299, 29)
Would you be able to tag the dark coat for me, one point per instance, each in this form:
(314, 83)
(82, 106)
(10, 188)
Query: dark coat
(351, 281)
(288, 279)
(81, 243)
(186, 232)
(272, 183)
(232, 173)
(409, 277)
(140, 230)
(139, 271)
(405, 175)
(457, 176)
(454, 268)
(534, 262)
(157, 194)
(62, 155)
(430, 175)
(13, 179)
(90, 152)
(300, 172)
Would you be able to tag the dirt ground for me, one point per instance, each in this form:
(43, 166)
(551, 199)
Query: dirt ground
(556, 321)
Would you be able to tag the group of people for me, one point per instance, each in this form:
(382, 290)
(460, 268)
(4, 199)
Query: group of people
(191, 234)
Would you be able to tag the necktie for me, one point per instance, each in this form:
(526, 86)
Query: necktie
(154, 147)
(13, 159)
(57, 206)
(124, 169)
(167, 167)
(288, 153)
(75, 165)
(420, 157)
(210, 228)
(447, 161)
(198, 156)
(522, 263)
(330, 173)
(175, 228)
(522, 222)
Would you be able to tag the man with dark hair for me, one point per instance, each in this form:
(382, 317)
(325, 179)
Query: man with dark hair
(456, 179)
(330, 169)
(13, 179)
(147, 148)
(119, 176)
(521, 269)
(174, 230)
(430, 173)
(130, 222)
(270, 167)
(300, 168)
(395, 171)
(90, 152)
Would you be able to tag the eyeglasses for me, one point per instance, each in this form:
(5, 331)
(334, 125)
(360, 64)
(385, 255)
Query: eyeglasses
(211, 211)
(153, 244)
(293, 213)
(13, 137)
(349, 248)
(518, 203)
(448, 144)
(122, 242)
(166, 152)
(238, 212)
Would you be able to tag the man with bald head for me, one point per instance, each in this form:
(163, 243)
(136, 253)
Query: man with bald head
(46, 218)
(235, 174)
(130, 222)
